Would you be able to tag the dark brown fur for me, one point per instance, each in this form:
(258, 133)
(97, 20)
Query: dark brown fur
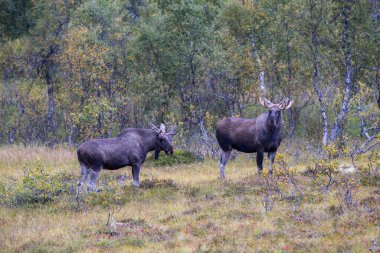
(259, 135)
(129, 148)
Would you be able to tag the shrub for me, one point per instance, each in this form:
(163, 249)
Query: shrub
(370, 173)
(36, 186)
(178, 157)
(155, 183)
(110, 195)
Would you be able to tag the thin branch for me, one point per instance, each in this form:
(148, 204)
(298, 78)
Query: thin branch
(363, 148)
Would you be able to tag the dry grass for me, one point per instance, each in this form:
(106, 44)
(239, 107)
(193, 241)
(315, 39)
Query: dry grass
(199, 213)
(15, 159)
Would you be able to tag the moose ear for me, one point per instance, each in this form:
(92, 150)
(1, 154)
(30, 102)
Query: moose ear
(286, 104)
(265, 102)
(162, 127)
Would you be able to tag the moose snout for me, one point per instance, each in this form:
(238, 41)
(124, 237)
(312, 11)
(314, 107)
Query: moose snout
(272, 123)
(169, 152)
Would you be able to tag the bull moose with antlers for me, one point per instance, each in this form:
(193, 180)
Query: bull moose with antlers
(129, 148)
(258, 135)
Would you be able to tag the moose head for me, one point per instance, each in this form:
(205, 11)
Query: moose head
(274, 114)
(163, 139)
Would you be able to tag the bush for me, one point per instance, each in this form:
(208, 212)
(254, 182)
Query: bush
(37, 186)
(370, 174)
(178, 157)
(155, 183)
(108, 197)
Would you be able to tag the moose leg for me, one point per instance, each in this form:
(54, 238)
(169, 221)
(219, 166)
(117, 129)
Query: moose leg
(83, 177)
(94, 175)
(225, 155)
(259, 161)
(156, 154)
(135, 174)
(271, 156)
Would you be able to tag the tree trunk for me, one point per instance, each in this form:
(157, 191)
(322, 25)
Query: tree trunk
(363, 123)
(317, 88)
(11, 135)
(71, 136)
(255, 54)
(290, 79)
(48, 68)
(338, 126)
(51, 104)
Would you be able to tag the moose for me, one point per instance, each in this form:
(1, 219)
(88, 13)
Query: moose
(129, 148)
(259, 135)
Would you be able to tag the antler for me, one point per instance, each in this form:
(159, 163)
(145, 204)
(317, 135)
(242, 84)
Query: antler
(265, 102)
(162, 128)
(155, 128)
(173, 131)
(286, 104)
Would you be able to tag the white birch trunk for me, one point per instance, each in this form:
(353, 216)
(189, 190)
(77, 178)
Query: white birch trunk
(255, 54)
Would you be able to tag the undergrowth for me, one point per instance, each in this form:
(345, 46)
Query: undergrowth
(178, 157)
(317, 209)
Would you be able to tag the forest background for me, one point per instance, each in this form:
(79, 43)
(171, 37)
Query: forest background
(75, 70)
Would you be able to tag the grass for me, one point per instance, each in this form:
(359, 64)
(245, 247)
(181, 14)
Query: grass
(183, 208)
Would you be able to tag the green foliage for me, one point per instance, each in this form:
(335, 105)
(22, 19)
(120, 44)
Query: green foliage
(178, 157)
(15, 18)
(154, 183)
(36, 187)
(325, 168)
(113, 64)
(111, 195)
(370, 173)
(370, 180)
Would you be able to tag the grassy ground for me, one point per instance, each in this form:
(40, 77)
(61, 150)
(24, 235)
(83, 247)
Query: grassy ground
(183, 208)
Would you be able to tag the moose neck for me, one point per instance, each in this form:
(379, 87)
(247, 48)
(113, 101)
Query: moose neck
(150, 140)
